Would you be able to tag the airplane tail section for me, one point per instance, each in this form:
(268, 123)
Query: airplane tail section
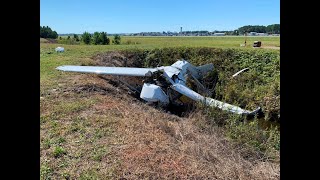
(204, 69)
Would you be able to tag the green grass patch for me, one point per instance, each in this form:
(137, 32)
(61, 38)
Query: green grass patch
(98, 153)
(58, 152)
(46, 172)
(91, 174)
(250, 134)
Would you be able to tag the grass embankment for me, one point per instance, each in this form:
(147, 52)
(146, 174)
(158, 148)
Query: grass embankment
(260, 86)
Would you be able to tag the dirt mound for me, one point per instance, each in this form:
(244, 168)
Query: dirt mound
(117, 59)
(91, 88)
(48, 40)
(42, 40)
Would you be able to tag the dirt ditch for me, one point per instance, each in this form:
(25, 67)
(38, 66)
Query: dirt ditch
(238, 91)
(118, 59)
(225, 86)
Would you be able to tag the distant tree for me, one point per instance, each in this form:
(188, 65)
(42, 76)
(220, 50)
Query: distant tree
(117, 39)
(103, 38)
(235, 32)
(60, 37)
(76, 37)
(273, 29)
(250, 28)
(86, 37)
(68, 37)
(54, 35)
(96, 38)
(46, 32)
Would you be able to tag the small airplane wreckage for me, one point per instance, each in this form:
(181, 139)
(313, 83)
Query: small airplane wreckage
(165, 84)
(59, 49)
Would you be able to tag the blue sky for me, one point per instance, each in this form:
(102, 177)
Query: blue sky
(132, 16)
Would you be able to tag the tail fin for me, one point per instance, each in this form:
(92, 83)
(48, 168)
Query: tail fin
(205, 68)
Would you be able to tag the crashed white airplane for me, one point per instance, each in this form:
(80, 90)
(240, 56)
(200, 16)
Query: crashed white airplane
(165, 84)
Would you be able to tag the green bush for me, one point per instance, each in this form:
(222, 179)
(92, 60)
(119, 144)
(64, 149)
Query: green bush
(265, 141)
(46, 32)
(98, 38)
(117, 39)
(58, 152)
(95, 38)
(76, 37)
(86, 38)
(103, 39)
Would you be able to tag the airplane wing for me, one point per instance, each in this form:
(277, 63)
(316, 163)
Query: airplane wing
(124, 71)
(211, 102)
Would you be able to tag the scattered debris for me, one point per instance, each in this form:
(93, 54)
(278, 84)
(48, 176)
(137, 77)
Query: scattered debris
(59, 49)
(257, 44)
(237, 73)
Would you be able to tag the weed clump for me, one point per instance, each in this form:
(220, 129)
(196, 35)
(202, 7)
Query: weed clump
(58, 152)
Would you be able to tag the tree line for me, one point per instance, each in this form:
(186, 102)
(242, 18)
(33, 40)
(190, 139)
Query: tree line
(46, 32)
(270, 29)
(99, 38)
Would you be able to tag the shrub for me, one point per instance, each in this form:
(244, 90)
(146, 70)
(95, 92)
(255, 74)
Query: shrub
(76, 37)
(117, 39)
(96, 38)
(103, 38)
(86, 37)
(58, 152)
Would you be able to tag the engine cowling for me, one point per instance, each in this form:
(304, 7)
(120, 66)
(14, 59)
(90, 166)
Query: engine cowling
(154, 93)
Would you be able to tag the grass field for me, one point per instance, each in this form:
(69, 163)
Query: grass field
(203, 41)
(90, 129)
(207, 41)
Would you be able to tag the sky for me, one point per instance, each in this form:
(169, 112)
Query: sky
(134, 16)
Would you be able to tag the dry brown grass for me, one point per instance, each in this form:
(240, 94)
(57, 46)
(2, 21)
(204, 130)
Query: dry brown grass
(160, 145)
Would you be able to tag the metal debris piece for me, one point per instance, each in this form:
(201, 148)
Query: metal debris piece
(237, 73)
(59, 49)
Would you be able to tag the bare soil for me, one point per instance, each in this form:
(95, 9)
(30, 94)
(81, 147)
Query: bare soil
(48, 40)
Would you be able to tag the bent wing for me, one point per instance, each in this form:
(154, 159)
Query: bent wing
(124, 71)
(211, 102)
